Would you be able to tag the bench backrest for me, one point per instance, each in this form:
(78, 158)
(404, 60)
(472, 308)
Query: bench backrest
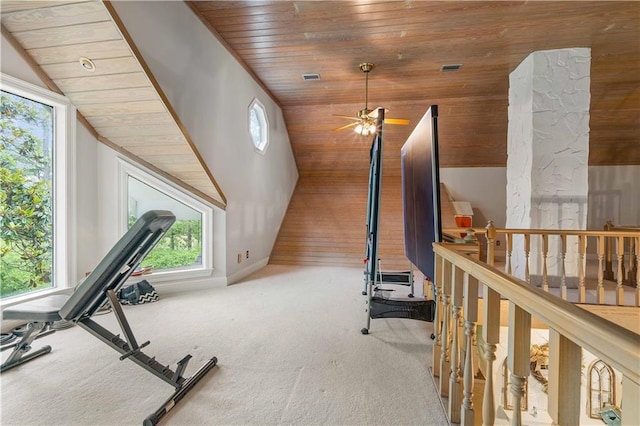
(117, 265)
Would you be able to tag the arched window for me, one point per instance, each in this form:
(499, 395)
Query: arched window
(258, 126)
(600, 388)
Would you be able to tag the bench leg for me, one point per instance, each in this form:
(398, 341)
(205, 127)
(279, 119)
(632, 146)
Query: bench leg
(18, 357)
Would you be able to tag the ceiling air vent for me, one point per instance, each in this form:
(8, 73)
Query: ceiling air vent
(311, 76)
(451, 67)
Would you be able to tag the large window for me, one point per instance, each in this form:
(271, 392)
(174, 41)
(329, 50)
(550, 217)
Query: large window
(36, 144)
(186, 246)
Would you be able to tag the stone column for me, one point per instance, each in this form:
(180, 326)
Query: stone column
(548, 153)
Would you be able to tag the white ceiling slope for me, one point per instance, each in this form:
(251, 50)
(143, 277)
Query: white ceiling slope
(120, 102)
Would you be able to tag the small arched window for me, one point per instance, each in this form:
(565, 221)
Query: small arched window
(600, 387)
(258, 126)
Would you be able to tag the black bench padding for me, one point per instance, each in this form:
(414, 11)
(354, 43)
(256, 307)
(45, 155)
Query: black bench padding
(45, 309)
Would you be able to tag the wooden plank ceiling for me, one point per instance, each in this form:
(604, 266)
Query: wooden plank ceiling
(408, 41)
(120, 101)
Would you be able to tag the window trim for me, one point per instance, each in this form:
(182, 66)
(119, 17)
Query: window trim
(64, 267)
(125, 169)
(255, 103)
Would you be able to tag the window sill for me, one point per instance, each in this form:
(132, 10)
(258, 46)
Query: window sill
(34, 295)
(160, 277)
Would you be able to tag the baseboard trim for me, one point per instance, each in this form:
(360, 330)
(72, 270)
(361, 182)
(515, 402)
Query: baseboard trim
(182, 286)
(237, 276)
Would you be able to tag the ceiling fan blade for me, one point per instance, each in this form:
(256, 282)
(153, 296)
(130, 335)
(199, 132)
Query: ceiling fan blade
(347, 126)
(400, 121)
(350, 117)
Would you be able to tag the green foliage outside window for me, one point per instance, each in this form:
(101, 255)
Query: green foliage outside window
(181, 246)
(26, 230)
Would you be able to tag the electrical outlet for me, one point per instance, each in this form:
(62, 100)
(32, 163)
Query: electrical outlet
(247, 254)
(498, 243)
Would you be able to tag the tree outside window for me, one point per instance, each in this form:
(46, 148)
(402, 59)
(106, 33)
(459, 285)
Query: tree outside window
(26, 196)
(181, 247)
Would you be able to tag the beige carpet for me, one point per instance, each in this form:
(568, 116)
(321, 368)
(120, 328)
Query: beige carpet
(289, 348)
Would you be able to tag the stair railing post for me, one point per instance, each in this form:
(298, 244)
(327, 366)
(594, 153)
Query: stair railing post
(582, 242)
(437, 320)
(519, 349)
(545, 255)
(455, 389)
(608, 253)
(563, 267)
(470, 311)
(565, 358)
(491, 337)
(620, 274)
(445, 366)
(601, 269)
(630, 407)
(491, 243)
(508, 265)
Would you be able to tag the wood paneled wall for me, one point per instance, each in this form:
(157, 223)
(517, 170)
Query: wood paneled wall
(326, 224)
(326, 220)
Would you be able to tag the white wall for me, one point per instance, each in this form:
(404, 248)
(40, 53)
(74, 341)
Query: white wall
(87, 223)
(614, 194)
(483, 187)
(211, 93)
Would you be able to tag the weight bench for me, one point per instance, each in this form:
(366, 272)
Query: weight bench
(100, 287)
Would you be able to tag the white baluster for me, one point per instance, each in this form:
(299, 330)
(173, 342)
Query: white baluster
(600, 287)
(518, 359)
(620, 277)
(491, 337)
(563, 273)
(545, 255)
(508, 265)
(470, 310)
(527, 250)
(582, 239)
(445, 366)
(437, 320)
(455, 385)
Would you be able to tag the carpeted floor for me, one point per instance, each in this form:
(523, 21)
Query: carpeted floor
(289, 348)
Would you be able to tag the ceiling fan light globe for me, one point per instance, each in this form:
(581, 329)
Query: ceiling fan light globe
(359, 129)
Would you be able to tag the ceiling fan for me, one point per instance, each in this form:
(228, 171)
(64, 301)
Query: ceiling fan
(365, 121)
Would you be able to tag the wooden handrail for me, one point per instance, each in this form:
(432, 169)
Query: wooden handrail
(581, 327)
(617, 250)
(571, 232)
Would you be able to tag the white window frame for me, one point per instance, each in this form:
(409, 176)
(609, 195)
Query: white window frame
(255, 103)
(127, 169)
(64, 184)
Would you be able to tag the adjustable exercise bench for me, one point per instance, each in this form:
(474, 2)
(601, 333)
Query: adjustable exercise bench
(100, 287)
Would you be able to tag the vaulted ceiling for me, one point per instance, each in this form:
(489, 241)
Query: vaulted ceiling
(409, 41)
(279, 41)
(81, 49)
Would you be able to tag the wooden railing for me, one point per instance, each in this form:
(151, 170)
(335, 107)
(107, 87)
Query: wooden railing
(617, 252)
(630, 246)
(459, 280)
